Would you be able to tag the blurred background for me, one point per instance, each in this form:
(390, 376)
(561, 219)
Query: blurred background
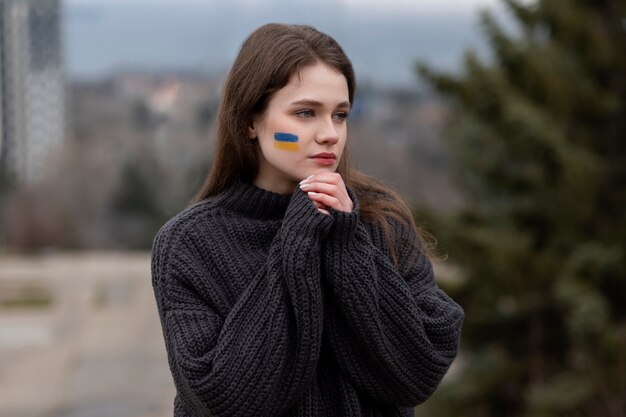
(502, 123)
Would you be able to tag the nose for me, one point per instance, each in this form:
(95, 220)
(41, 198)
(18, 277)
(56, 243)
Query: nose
(327, 133)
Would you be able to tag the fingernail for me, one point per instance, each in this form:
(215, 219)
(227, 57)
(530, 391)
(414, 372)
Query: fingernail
(305, 185)
(312, 193)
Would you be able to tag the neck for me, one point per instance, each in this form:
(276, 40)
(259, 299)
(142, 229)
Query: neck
(279, 187)
(253, 201)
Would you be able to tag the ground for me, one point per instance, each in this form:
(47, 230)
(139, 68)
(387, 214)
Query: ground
(80, 337)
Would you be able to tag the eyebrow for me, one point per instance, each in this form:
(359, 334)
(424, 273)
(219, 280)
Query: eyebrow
(315, 103)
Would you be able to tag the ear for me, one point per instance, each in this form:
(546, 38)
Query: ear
(252, 132)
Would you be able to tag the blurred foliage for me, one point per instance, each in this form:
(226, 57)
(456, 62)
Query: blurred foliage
(135, 208)
(539, 142)
(7, 182)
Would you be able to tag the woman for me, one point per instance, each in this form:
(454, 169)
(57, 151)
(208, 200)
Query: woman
(294, 285)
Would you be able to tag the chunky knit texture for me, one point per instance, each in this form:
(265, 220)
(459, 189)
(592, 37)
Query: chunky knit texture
(271, 308)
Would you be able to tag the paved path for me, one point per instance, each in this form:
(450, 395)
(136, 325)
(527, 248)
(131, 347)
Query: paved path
(96, 351)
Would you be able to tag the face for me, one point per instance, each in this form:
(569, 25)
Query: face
(305, 118)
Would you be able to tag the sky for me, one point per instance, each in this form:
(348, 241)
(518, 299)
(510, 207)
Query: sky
(401, 5)
(383, 38)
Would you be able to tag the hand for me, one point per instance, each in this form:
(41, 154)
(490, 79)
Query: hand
(327, 190)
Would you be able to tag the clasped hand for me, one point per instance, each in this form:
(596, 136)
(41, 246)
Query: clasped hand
(327, 190)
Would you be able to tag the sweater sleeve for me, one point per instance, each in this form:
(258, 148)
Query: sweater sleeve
(393, 331)
(257, 359)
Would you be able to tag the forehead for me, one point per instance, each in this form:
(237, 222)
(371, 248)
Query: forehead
(317, 82)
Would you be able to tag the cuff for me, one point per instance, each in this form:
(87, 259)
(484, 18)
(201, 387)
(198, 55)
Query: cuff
(346, 222)
(303, 217)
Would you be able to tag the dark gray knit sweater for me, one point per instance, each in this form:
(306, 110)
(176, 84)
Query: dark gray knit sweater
(271, 308)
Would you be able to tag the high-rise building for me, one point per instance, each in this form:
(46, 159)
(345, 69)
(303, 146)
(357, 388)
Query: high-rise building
(32, 86)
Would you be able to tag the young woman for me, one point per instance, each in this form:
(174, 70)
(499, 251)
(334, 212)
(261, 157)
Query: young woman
(295, 285)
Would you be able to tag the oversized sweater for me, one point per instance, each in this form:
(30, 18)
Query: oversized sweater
(271, 308)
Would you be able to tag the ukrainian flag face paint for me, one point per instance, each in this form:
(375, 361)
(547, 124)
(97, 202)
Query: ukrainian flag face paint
(286, 142)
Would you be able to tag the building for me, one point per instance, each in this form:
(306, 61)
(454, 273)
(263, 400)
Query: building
(32, 86)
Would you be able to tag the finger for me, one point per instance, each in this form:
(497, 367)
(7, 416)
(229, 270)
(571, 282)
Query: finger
(330, 184)
(326, 200)
(324, 211)
(325, 188)
(318, 205)
(330, 179)
(327, 177)
(331, 190)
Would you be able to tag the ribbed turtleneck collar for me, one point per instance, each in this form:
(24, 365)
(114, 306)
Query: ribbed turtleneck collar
(252, 201)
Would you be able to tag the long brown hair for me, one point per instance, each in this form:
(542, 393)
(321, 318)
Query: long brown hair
(264, 65)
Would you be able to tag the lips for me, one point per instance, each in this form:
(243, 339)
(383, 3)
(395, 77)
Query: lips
(328, 155)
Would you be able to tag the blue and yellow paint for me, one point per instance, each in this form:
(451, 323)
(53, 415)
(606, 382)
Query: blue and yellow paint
(286, 141)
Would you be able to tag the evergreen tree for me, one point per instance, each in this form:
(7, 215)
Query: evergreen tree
(539, 140)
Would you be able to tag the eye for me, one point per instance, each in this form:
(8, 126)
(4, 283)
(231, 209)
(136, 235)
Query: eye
(305, 113)
(341, 116)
